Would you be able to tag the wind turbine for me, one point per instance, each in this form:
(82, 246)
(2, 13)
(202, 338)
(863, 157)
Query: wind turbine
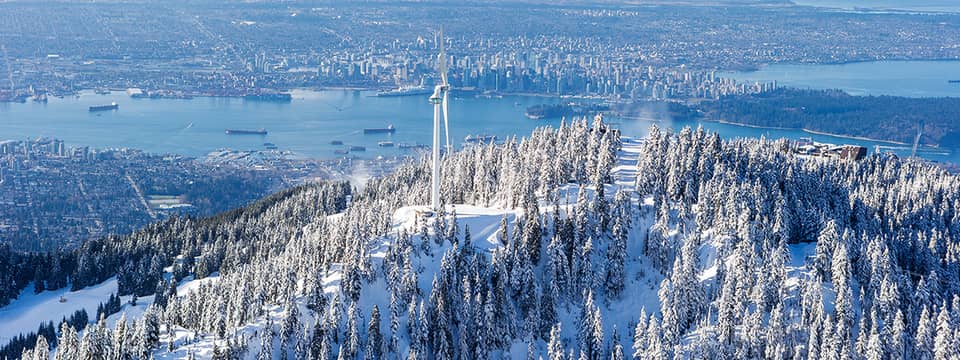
(439, 101)
(916, 141)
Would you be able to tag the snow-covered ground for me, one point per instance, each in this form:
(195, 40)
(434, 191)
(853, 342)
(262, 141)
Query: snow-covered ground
(640, 291)
(27, 312)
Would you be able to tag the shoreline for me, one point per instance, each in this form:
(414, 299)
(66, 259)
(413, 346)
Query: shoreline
(761, 66)
(853, 137)
(814, 132)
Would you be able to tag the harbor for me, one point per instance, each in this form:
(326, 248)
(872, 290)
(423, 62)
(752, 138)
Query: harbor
(323, 124)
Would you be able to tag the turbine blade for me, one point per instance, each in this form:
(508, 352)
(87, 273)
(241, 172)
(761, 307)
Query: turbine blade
(446, 120)
(442, 60)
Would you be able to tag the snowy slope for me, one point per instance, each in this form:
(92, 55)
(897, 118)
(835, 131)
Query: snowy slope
(483, 222)
(642, 280)
(29, 310)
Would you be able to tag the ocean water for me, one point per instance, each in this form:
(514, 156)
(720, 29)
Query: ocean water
(305, 125)
(308, 124)
(906, 5)
(901, 78)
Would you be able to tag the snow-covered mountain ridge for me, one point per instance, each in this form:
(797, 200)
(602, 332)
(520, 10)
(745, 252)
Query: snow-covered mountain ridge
(575, 243)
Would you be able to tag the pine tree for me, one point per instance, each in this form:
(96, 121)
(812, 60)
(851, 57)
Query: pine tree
(351, 340)
(444, 337)
(775, 335)
(924, 341)
(874, 347)
(548, 314)
(150, 329)
(41, 351)
(557, 268)
(555, 348)
(640, 335)
(69, 345)
(290, 327)
(828, 347)
(532, 229)
(900, 338)
(616, 351)
(317, 338)
(120, 338)
(655, 347)
(616, 256)
(419, 344)
(393, 345)
(374, 348)
(302, 349)
(590, 332)
(944, 345)
(266, 345)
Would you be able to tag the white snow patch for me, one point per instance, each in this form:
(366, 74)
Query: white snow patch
(29, 310)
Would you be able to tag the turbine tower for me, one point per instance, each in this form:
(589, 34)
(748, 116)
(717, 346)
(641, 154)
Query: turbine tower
(916, 141)
(439, 101)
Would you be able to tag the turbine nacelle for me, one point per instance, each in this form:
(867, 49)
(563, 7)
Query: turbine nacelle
(439, 92)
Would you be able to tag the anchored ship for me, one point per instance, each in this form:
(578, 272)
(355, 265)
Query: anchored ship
(245, 132)
(387, 130)
(406, 146)
(472, 139)
(406, 91)
(273, 97)
(112, 106)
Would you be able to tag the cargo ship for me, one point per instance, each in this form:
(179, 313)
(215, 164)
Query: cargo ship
(358, 148)
(954, 81)
(556, 111)
(272, 97)
(406, 91)
(387, 130)
(411, 146)
(472, 139)
(385, 144)
(245, 132)
(112, 106)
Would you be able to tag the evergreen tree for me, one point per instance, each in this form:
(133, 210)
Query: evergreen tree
(616, 351)
(41, 351)
(555, 348)
(924, 341)
(944, 346)
(351, 340)
(374, 347)
(69, 346)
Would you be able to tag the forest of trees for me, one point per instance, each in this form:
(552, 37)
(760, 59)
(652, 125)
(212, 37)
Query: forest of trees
(882, 284)
(891, 118)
